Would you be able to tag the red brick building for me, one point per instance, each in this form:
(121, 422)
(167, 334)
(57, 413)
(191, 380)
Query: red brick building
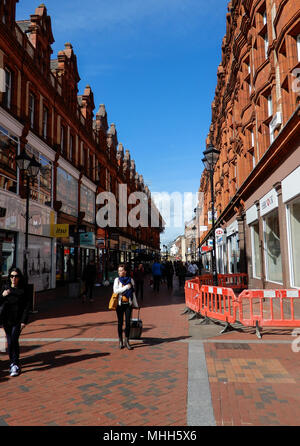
(41, 112)
(256, 126)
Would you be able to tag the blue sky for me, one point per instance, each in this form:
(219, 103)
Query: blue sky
(153, 63)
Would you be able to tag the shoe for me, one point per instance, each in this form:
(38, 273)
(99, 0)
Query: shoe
(127, 345)
(121, 345)
(15, 370)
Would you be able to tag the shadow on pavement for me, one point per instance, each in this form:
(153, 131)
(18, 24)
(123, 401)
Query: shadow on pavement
(156, 341)
(57, 358)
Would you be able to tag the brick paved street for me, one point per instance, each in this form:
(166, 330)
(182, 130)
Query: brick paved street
(73, 373)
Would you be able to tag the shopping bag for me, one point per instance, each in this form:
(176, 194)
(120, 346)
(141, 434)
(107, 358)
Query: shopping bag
(113, 301)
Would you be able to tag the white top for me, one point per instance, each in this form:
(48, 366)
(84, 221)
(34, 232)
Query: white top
(120, 289)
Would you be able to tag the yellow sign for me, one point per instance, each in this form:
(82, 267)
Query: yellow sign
(61, 230)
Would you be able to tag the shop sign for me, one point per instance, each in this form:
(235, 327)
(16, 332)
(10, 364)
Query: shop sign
(205, 249)
(233, 228)
(210, 217)
(268, 202)
(100, 243)
(61, 230)
(219, 232)
(87, 238)
(220, 240)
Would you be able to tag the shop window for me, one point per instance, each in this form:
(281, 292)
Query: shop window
(41, 189)
(233, 254)
(8, 252)
(293, 211)
(255, 250)
(8, 169)
(272, 248)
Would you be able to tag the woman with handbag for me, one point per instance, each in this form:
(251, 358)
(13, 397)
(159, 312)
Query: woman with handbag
(15, 304)
(124, 287)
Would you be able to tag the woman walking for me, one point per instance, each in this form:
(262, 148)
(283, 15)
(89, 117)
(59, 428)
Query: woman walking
(124, 287)
(15, 305)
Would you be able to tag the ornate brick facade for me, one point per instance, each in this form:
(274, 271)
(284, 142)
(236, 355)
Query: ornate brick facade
(39, 97)
(255, 123)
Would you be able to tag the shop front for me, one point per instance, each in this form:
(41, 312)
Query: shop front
(41, 245)
(233, 249)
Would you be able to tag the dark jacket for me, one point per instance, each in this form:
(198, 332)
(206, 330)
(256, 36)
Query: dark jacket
(15, 307)
(90, 273)
(139, 275)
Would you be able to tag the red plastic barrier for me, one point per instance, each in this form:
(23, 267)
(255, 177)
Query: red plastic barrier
(192, 295)
(218, 303)
(269, 308)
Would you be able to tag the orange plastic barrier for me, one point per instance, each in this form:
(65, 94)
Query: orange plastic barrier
(269, 308)
(192, 293)
(235, 281)
(218, 303)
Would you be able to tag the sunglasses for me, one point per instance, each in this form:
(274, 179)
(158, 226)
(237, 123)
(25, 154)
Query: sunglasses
(13, 276)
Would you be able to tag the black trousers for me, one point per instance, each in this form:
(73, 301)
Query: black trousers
(12, 335)
(121, 310)
(156, 282)
(170, 281)
(89, 288)
(139, 289)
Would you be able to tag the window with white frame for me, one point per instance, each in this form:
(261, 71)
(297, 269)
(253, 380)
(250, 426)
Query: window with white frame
(298, 47)
(62, 139)
(266, 41)
(270, 105)
(265, 17)
(272, 247)
(31, 109)
(293, 218)
(45, 123)
(256, 265)
(8, 88)
(253, 150)
(71, 148)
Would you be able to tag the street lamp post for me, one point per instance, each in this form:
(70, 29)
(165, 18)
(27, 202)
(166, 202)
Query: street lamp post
(210, 159)
(31, 169)
(194, 242)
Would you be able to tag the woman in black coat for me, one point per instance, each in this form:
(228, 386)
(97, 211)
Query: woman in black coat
(14, 310)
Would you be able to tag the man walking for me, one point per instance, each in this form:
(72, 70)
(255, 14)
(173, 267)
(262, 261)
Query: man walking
(157, 273)
(89, 276)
